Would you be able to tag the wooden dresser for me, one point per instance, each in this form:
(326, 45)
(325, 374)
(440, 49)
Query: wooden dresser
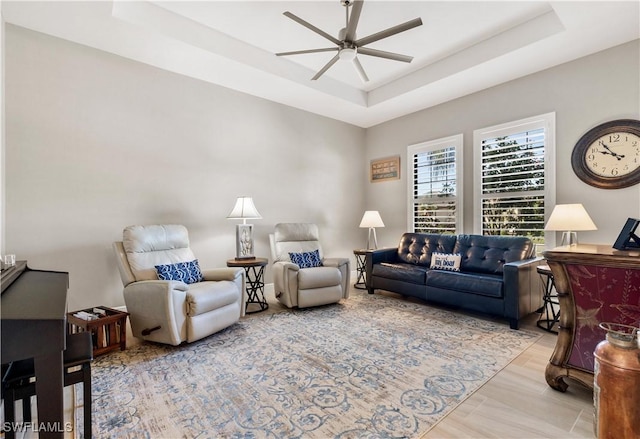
(595, 283)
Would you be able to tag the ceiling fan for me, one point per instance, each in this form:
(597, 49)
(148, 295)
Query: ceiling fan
(348, 47)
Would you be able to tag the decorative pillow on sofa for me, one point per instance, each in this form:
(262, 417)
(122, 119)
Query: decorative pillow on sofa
(445, 261)
(187, 272)
(306, 259)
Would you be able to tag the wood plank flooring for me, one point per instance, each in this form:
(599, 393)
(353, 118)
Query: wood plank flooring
(517, 403)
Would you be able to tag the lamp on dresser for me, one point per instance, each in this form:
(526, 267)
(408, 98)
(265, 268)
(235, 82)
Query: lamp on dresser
(244, 209)
(569, 219)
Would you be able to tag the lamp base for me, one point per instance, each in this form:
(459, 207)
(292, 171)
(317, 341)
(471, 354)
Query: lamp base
(244, 242)
(569, 238)
(372, 230)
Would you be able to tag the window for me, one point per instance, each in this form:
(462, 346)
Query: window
(435, 186)
(514, 175)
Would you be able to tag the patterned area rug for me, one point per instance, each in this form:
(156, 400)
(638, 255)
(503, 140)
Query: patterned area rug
(370, 366)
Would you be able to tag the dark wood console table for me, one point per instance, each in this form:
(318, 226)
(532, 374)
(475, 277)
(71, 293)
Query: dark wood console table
(595, 284)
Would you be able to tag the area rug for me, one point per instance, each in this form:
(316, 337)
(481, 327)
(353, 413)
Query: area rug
(371, 366)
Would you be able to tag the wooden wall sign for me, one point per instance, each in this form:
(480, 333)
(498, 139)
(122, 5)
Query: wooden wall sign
(385, 169)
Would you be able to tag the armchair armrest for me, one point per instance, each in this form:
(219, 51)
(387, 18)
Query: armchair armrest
(522, 289)
(285, 282)
(335, 262)
(218, 274)
(344, 265)
(232, 274)
(389, 254)
(154, 303)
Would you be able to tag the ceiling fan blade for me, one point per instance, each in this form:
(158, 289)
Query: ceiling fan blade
(312, 27)
(389, 32)
(356, 8)
(326, 67)
(360, 70)
(302, 52)
(383, 54)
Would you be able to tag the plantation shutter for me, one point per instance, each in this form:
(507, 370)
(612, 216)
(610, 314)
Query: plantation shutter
(513, 183)
(434, 200)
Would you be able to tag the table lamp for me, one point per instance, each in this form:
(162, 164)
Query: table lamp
(569, 218)
(371, 219)
(244, 210)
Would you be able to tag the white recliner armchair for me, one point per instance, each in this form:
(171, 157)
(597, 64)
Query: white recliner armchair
(192, 304)
(325, 283)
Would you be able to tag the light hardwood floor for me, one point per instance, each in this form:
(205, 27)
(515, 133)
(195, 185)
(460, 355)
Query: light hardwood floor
(516, 403)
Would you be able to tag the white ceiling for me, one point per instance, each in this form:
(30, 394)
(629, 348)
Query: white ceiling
(462, 46)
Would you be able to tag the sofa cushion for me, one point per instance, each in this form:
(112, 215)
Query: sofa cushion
(417, 248)
(445, 261)
(488, 254)
(415, 274)
(483, 284)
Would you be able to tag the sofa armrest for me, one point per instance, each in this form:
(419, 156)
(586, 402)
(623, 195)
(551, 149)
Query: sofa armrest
(376, 257)
(157, 303)
(522, 289)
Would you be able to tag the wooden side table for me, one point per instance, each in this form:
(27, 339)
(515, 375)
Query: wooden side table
(254, 270)
(108, 332)
(361, 257)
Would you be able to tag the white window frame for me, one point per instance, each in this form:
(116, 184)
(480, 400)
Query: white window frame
(545, 121)
(457, 142)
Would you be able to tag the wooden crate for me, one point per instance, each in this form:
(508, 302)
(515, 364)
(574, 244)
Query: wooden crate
(109, 332)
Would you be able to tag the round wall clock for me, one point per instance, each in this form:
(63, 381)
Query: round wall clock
(608, 156)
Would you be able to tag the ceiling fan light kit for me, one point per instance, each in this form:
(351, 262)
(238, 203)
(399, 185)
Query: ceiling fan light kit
(347, 54)
(348, 46)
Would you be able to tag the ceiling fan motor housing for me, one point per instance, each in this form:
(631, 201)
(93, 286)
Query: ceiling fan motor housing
(342, 36)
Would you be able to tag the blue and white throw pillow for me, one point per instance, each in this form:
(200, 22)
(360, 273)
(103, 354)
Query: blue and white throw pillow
(445, 261)
(187, 272)
(306, 259)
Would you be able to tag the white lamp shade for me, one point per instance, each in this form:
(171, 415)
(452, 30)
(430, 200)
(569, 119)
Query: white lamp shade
(570, 217)
(244, 209)
(371, 218)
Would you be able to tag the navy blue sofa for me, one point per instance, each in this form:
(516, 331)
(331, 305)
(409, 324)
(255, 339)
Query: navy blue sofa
(497, 274)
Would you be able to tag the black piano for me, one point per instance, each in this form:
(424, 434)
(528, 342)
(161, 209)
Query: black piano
(33, 307)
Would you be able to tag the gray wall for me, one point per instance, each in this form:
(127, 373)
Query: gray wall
(96, 142)
(582, 93)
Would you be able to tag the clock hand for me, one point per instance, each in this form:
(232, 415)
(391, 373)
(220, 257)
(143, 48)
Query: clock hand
(618, 156)
(613, 154)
